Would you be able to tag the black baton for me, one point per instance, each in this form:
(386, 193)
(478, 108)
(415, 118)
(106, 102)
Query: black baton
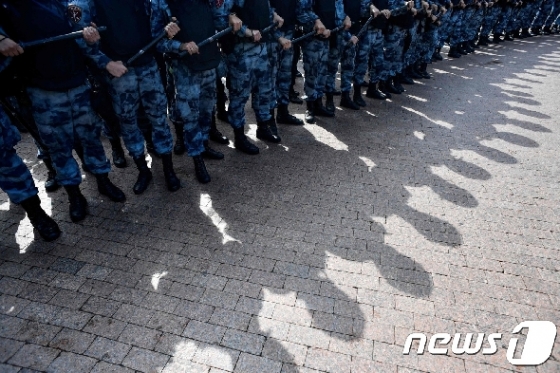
(72, 35)
(147, 47)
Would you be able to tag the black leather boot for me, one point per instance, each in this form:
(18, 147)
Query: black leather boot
(413, 73)
(437, 55)
(473, 45)
(397, 84)
(200, 170)
(144, 175)
(508, 37)
(546, 30)
(210, 153)
(50, 184)
(453, 53)
(243, 144)
(346, 101)
(497, 38)
(272, 123)
(525, 33)
(405, 78)
(294, 97)
(78, 203)
(108, 189)
(118, 153)
(374, 92)
(424, 70)
(45, 225)
(171, 180)
(215, 135)
(310, 112)
(390, 87)
(329, 105)
(320, 110)
(265, 132)
(383, 89)
(358, 99)
(283, 116)
(483, 41)
(179, 148)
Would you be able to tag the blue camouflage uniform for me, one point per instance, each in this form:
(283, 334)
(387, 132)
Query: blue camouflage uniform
(490, 20)
(394, 43)
(248, 68)
(369, 51)
(140, 86)
(195, 90)
(553, 14)
(15, 178)
(501, 25)
(60, 100)
(340, 53)
(545, 9)
(315, 53)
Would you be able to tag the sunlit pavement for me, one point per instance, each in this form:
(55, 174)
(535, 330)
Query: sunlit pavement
(436, 212)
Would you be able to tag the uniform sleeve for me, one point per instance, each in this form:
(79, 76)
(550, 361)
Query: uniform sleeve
(364, 8)
(305, 13)
(88, 16)
(158, 21)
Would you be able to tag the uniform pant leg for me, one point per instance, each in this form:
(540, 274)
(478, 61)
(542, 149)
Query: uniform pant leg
(88, 131)
(335, 52)
(315, 56)
(207, 101)
(284, 76)
(154, 102)
(347, 66)
(361, 60)
(52, 112)
(188, 102)
(394, 51)
(125, 92)
(15, 178)
(377, 66)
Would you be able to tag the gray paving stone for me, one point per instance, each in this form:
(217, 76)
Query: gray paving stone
(34, 357)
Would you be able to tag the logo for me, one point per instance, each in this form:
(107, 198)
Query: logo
(75, 13)
(537, 349)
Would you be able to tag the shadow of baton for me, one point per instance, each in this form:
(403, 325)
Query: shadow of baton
(72, 35)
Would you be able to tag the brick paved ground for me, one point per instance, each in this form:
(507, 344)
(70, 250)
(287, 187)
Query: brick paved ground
(436, 212)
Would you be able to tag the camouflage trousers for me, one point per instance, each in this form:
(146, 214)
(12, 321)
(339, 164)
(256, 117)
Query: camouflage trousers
(394, 50)
(526, 15)
(62, 116)
(195, 100)
(553, 14)
(501, 26)
(444, 29)
(284, 71)
(428, 43)
(248, 69)
(345, 54)
(15, 178)
(456, 26)
(141, 86)
(369, 56)
(268, 98)
(412, 53)
(514, 23)
(315, 57)
(490, 20)
(475, 23)
(543, 14)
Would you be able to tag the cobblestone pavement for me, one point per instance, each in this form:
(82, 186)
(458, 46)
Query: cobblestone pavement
(435, 212)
